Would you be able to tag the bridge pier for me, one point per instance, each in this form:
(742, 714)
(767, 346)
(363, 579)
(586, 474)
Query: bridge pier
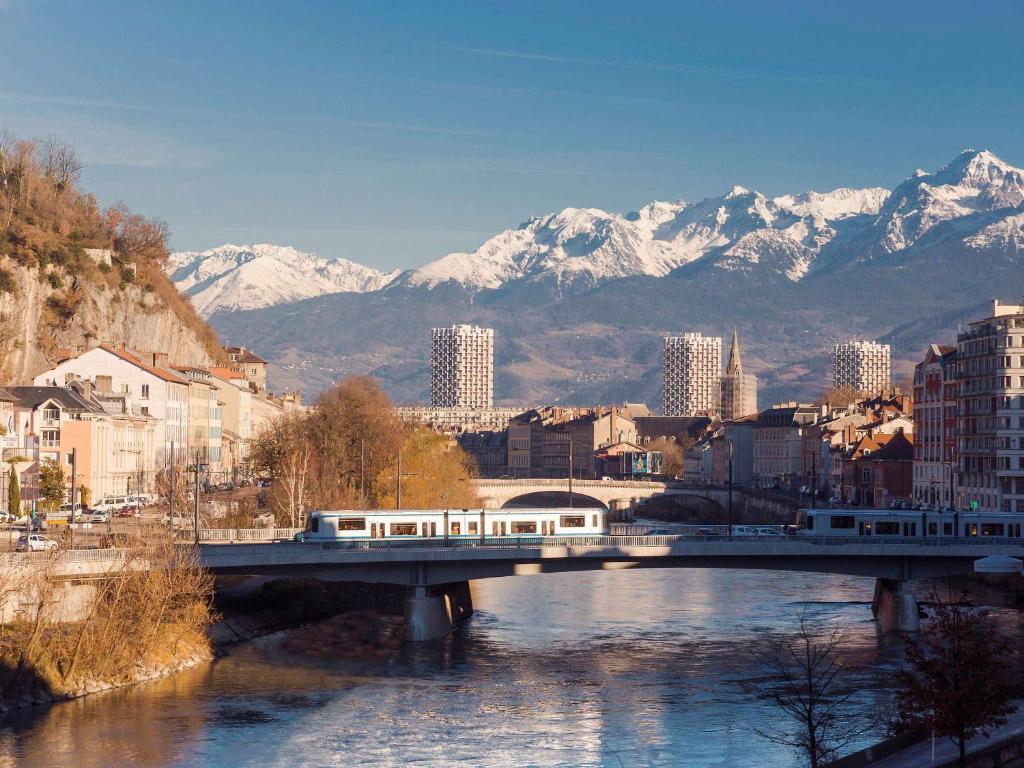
(432, 612)
(895, 607)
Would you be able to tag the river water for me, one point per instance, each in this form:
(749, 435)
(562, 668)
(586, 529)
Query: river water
(611, 668)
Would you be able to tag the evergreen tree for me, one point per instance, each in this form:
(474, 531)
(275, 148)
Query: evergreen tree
(14, 494)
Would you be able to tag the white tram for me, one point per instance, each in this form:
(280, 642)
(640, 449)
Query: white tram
(881, 522)
(454, 524)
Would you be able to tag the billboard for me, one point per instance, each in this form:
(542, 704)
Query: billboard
(642, 462)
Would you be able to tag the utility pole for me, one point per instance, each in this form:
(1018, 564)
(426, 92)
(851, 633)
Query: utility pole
(570, 469)
(74, 470)
(398, 482)
(730, 488)
(196, 521)
(814, 479)
(362, 472)
(170, 489)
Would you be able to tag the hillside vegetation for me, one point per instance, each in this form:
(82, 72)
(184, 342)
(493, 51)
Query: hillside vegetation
(54, 296)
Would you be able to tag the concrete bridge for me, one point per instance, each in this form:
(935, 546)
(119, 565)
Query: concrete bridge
(622, 497)
(439, 570)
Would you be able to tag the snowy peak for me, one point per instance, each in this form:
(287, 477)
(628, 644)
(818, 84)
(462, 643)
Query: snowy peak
(238, 277)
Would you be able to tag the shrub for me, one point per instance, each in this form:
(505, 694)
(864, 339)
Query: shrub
(7, 282)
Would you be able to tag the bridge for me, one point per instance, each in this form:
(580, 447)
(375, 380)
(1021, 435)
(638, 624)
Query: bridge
(621, 497)
(438, 571)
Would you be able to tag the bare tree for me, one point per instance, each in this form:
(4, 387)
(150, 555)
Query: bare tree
(957, 683)
(805, 683)
(60, 163)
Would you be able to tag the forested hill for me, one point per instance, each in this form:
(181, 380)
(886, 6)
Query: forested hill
(73, 274)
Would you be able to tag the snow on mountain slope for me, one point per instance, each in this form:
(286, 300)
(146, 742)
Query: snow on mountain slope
(234, 277)
(975, 201)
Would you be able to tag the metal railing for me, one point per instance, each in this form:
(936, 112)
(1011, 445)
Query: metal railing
(239, 534)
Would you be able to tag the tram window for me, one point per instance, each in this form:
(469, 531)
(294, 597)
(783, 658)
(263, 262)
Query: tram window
(471, 527)
(841, 521)
(933, 529)
(595, 521)
(522, 526)
(402, 529)
(352, 524)
(425, 532)
(503, 530)
(887, 528)
(373, 530)
(913, 529)
(456, 529)
(572, 521)
(494, 527)
(970, 529)
(992, 529)
(810, 522)
(947, 529)
(314, 525)
(433, 529)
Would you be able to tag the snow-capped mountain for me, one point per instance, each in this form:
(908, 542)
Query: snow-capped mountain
(976, 201)
(238, 277)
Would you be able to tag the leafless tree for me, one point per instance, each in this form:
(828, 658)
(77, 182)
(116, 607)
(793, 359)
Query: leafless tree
(805, 681)
(60, 162)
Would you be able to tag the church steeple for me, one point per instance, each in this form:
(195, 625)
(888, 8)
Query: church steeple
(735, 367)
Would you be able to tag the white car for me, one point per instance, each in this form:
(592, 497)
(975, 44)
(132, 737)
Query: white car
(34, 542)
(99, 516)
(763, 531)
(743, 530)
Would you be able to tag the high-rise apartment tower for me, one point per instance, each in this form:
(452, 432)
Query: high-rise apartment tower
(861, 365)
(693, 375)
(462, 367)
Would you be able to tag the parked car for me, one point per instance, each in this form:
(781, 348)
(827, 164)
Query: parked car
(264, 482)
(743, 530)
(706, 532)
(299, 537)
(127, 512)
(79, 509)
(33, 542)
(99, 517)
(37, 524)
(765, 531)
(7, 518)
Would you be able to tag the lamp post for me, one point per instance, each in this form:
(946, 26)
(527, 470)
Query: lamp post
(730, 488)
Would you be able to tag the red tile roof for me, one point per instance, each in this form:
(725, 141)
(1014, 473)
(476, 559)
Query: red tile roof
(128, 357)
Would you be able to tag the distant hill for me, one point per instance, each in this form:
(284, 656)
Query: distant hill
(580, 299)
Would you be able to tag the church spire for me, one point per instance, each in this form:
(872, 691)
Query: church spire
(735, 366)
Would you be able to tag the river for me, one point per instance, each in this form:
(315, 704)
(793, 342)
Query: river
(611, 668)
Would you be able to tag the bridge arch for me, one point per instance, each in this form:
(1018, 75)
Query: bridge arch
(553, 498)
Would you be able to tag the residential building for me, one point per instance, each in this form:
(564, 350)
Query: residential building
(462, 367)
(935, 427)
(458, 420)
(145, 378)
(739, 435)
(489, 449)
(692, 375)
(878, 470)
(778, 444)
(739, 390)
(990, 411)
(205, 421)
(236, 417)
(250, 365)
(864, 366)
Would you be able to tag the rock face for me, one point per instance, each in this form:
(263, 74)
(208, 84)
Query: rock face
(34, 329)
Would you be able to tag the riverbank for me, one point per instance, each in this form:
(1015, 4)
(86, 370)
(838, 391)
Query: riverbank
(345, 620)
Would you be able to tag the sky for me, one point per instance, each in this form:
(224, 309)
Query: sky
(392, 133)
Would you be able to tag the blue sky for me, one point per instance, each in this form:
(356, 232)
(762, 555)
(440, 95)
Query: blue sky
(392, 133)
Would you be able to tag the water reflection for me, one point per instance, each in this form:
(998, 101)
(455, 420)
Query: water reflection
(587, 669)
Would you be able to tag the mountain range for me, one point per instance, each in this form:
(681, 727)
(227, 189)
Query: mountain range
(581, 298)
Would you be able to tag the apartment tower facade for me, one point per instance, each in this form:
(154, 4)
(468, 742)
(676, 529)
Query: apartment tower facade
(864, 366)
(462, 367)
(692, 375)
(990, 411)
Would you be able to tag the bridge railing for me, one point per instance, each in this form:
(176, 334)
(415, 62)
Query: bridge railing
(227, 535)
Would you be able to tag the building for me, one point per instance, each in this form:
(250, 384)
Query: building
(253, 367)
(205, 422)
(863, 366)
(990, 411)
(462, 367)
(692, 375)
(458, 420)
(778, 444)
(739, 390)
(489, 449)
(146, 379)
(935, 427)
(739, 435)
(878, 470)
(236, 417)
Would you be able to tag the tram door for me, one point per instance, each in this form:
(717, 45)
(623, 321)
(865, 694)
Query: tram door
(433, 529)
(373, 530)
(502, 527)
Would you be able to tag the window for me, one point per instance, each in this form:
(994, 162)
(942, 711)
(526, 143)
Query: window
(810, 522)
(523, 526)
(51, 413)
(314, 524)
(51, 438)
(572, 521)
(595, 521)
(933, 529)
(403, 529)
(373, 530)
(883, 528)
(456, 529)
(471, 527)
(145, 390)
(503, 531)
(992, 529)
(947, 529)
(426, 531)
(841, 521)
(351, 523)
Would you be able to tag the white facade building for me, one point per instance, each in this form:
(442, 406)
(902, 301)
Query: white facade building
(462, 367)
(864, 366)
(144, 378)
(693, 375)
